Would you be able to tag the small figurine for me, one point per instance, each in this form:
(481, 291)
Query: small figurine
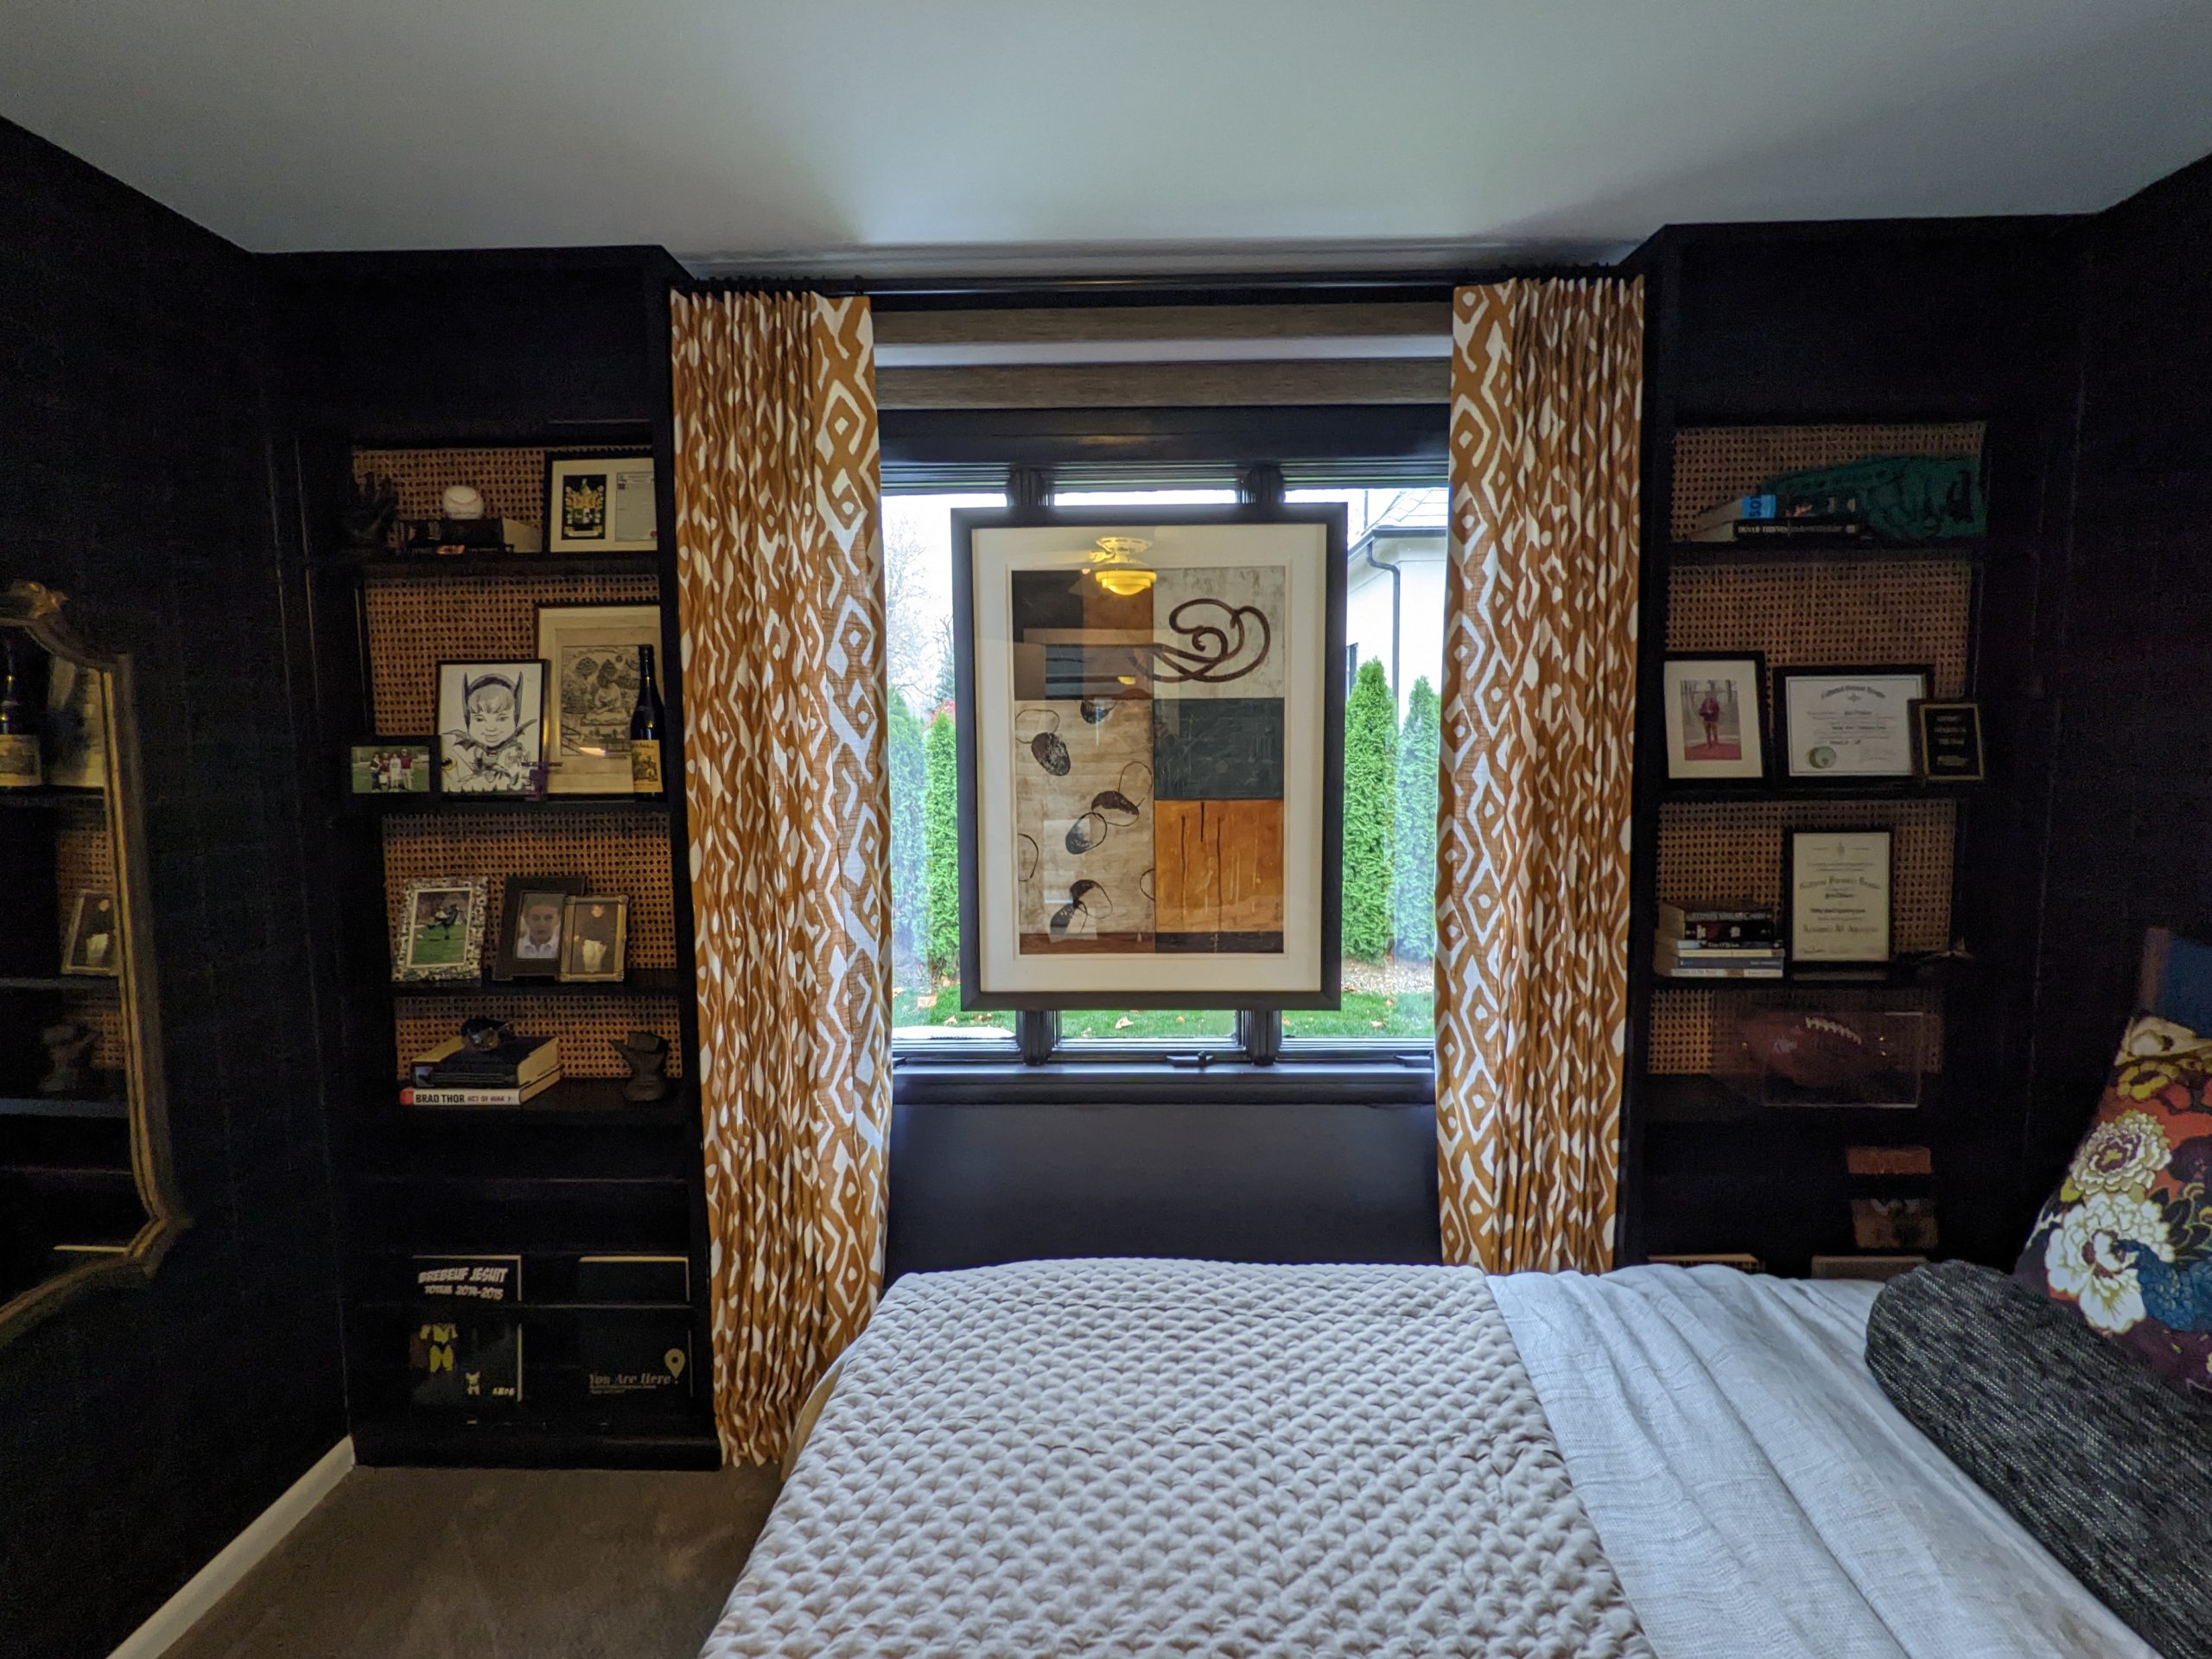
(367, 520)
(645, 1053)
(68, 1050)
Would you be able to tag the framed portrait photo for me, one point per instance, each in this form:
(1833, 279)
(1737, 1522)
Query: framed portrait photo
(439, 933)
(533, 913)
(601, 504)
(76, 724)
(1836, 887)
(595, 939)
(1843, 723)
(492, 728)
(387, 769)
(1715, 712)
(95, 942)
(591, 657)
(1151, 791)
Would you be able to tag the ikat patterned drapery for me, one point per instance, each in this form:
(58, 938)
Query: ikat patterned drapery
(1539, 722)
(779, 565)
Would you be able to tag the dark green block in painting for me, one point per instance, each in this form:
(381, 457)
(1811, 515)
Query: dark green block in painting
(1217, 748)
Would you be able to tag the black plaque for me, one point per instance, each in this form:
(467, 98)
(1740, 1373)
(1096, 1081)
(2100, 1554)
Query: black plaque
(1947, 741)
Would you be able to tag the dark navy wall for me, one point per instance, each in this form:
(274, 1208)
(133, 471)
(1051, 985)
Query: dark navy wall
(140, 1429)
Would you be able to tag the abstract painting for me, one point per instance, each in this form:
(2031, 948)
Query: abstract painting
(1151, 770)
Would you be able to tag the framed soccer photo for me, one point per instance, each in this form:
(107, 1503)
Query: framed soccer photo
(531, 915)
(591, 656)
(601, 504)
(492, 728)
(1151, 789)
(1715, 715)
(439, 933)
(595, 939)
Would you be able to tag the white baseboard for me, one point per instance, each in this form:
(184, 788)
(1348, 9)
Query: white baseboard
(238, 1557)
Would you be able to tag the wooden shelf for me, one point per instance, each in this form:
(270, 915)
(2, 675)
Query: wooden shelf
(1864, 789)
(56, 1106)
(459, 805)
(384, 565)
(642, 981)
(582, 1439)
(1680, 1098)
(584, 1100)
(60, 983)
(1816, 550)
(52, 795)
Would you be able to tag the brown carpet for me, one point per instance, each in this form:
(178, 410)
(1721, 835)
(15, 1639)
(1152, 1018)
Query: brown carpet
(497, 1564)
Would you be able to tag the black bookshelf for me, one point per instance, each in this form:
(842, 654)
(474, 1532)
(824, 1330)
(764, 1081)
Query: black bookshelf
(580, 1170)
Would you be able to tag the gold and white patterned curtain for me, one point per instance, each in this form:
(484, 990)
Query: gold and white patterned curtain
(1539, 723)
(779, 564)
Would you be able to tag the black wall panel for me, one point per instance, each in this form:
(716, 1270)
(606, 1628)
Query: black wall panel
(140, 1429)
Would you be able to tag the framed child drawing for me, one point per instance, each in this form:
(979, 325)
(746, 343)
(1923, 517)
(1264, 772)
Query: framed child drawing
(1151, 741)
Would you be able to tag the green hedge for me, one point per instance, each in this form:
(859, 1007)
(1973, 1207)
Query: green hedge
(1370, 812)
(1413, 895)
(941, 813)
(910, 894)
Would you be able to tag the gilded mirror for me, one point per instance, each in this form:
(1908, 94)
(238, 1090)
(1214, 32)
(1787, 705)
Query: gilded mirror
(86, 1197)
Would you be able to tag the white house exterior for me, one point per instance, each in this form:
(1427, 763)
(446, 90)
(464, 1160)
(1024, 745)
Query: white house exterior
(1394, 605)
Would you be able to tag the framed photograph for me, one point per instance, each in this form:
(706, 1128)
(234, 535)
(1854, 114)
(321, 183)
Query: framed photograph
(492, 728)
(533, 913)
(1716, 718)
(440, 935)
(391, 768)
(1847, 722)
(591, 656)
(601, 504)
(595, 939)
(1947, 741)
(95, 942)
(1836, 886)
(76, 724)
(1151, 789)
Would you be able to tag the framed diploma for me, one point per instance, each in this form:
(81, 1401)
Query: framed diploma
(1839, 723)
(1836, 887)
(1947, 741)
(1716, 725)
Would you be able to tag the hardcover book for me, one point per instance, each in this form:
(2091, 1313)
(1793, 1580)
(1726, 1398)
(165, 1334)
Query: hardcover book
(627, 1352)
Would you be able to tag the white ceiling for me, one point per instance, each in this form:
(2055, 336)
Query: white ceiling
(1118, 134)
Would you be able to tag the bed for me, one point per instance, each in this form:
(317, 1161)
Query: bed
(1125, 1458)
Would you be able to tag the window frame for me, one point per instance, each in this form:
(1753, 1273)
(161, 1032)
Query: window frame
(1313, 447)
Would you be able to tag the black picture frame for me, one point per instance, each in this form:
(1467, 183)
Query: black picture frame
(1841, 783)
(451, 753)
(1747, 783)
(965, 521)
(558, 541)
(1947, 743)
(350, 775)
(573, 971)
(508, 967)
(1854, 967)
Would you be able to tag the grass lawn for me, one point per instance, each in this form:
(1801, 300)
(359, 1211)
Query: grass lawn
(1364, 1013)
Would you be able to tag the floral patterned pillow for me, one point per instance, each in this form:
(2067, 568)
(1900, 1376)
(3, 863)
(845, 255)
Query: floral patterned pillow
(2126, 1240)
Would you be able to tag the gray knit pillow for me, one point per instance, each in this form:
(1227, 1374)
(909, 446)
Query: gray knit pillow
(2108, 1466)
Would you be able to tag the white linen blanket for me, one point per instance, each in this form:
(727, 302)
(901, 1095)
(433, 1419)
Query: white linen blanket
(1113, 1458)
(1758, 1494)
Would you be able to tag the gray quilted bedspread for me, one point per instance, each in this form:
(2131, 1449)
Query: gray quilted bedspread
(1180, 1459)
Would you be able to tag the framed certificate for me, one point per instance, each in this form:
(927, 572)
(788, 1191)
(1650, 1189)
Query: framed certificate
(1716, 726)
(1847, 722)
(1946, 738)
(1836, 887)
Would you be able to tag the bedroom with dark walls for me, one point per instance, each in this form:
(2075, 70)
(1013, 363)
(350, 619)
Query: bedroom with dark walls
(966, 1174)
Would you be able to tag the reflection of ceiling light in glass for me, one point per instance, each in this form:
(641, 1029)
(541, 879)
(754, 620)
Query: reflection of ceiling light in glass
(1121, 577)
(1123, 583)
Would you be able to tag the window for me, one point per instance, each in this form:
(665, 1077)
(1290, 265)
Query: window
(1394, 660)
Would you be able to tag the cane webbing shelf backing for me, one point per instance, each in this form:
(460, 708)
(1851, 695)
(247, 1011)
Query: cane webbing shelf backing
(1713, 852)
(83, 861)
(620, 850)
(585, 1024)
(416, 622)
(512, 481)
(1684, 1022)
(1809, 612)
(1713, 463)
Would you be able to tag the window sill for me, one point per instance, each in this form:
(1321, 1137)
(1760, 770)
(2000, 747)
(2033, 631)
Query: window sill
(1379, 1079)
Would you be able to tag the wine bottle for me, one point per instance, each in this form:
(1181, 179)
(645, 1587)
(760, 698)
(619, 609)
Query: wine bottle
(20, 768)
(645, 717)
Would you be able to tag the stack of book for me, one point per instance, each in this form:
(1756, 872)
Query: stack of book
(454, 1074)
(1718, 943)
(1770, 517)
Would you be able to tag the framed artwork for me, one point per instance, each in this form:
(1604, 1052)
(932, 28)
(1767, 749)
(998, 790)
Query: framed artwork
(595, 939)
(1151, 756)
(1715, 711)
(76, 725)
(532, 914)
(391, 768)
(1947, 741)
(1839, 723)
(95, 941)
(440, 935)
(492, 727)
(591, 657)
(601, 504)
(1836, 886)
